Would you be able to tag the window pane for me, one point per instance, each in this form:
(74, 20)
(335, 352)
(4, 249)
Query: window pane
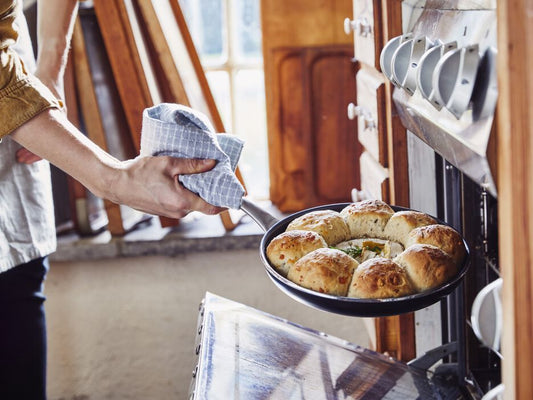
(206, 22)
(247, 28)
(250, 125)
(219, 84)
(238, 92)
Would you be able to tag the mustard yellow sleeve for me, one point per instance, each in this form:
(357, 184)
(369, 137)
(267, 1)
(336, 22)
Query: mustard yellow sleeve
(22, 95)
(8, 13)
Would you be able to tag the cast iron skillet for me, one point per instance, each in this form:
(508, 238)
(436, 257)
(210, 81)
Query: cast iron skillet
(337, 304)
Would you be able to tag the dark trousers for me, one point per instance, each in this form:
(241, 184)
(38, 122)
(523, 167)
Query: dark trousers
(23, 332)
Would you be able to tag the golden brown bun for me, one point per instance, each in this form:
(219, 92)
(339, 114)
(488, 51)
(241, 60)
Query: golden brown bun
(324, 270)
(327, 223)
(288, 247)
(371, 233)
(367, 218)
(427, 266)
(403, 222)
(442, 236)
(379, 278)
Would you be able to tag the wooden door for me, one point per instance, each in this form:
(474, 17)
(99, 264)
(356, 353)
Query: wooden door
(309, 82)
(313, 150)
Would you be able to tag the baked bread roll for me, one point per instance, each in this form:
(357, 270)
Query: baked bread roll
(402, 222)
(367, 251)
(288, 247)
(427, 266)
(379, 278)
(367, 218)
(324, 270)
(327, 223)
(442, 236)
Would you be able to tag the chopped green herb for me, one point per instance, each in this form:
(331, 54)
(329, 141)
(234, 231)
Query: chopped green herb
(374, 249)
(353, 252)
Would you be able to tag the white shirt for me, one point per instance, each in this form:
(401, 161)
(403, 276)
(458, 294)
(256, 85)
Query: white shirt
(27, 226)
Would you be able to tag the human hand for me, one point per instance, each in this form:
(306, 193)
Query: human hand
(148, 184)
(24, 156)
(151, 185)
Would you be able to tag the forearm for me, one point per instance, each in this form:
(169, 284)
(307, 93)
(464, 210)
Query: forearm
(149, 184)
(55, 23)
(52, 137)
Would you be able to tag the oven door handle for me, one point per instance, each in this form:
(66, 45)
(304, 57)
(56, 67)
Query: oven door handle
(433, 356)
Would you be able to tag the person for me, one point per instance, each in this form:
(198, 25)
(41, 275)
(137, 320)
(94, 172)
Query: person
(33, 125)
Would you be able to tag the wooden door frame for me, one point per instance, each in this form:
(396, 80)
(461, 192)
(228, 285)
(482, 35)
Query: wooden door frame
(515, 193)
(395, 335)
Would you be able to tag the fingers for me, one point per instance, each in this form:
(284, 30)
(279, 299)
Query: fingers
(24, 156)
(195, 202)
(185, 166)
(151, 184)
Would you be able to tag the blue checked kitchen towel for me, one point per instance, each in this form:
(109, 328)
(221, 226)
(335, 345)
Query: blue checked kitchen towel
(179, 131)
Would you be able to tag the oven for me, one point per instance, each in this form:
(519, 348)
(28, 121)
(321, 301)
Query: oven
(443, 70)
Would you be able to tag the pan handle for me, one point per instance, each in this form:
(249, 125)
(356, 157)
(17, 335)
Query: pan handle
(264, 219)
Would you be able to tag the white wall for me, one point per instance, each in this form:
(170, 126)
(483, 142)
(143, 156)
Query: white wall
(125, 328)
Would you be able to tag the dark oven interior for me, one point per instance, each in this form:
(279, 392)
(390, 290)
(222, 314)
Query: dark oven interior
(469, 207)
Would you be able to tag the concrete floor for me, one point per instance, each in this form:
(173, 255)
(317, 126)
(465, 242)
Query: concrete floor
(125, 328)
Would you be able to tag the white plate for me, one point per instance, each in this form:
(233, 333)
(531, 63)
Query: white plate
(388, 51)
(426, 67)
(486, 315)
(454, 78)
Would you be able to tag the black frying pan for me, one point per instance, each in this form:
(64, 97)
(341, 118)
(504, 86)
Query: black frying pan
(338, 304)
